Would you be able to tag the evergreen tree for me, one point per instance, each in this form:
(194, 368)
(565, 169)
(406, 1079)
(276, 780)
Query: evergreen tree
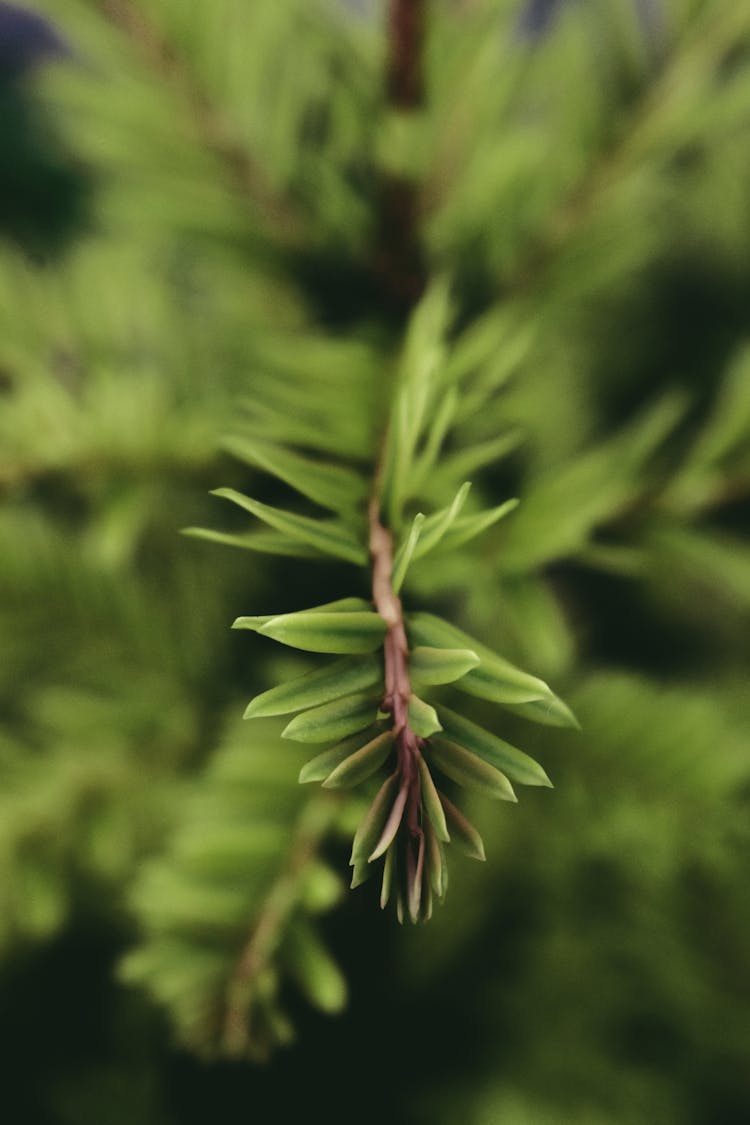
(448, 299)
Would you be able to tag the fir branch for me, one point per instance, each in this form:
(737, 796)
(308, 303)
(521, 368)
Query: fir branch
(401, 260)
(405, 90)
(409, 820)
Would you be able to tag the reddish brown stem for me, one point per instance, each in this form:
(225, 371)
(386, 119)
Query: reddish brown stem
(398, 257)
(406, 26)
(396, 665)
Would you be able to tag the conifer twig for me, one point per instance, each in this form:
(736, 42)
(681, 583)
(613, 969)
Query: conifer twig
(403, 270)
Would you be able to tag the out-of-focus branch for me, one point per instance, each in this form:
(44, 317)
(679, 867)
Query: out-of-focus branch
(217, 135)
(398, 259)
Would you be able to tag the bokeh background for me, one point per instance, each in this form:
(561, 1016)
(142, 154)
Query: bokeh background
(188, 219)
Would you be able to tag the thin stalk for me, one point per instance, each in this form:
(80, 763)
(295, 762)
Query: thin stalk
(400, 264)
(398, 690)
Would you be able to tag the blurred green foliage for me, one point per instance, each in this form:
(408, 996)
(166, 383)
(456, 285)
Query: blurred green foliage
(202, 255)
